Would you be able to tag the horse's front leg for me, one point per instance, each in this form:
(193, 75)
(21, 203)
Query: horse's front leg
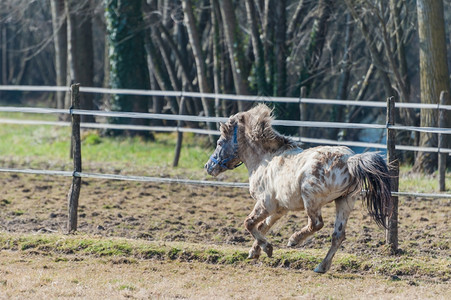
(263, 227)
(258, 214)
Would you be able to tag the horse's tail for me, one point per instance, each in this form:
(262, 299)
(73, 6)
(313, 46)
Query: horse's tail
(371, 173)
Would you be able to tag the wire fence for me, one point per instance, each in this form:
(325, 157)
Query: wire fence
(190, 118)
(177, 180)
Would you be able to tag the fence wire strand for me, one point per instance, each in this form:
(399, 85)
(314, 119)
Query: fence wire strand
(177, 180)
(254, 98)
(190, 118)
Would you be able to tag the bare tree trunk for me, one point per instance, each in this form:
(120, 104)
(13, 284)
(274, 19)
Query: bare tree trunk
(81, 50)
(299, 12)
(280, 49)
(215, 19)
(4, 47)
(399, 44)
(316, 42)
(198, 57)
(373, 49)
(157, 76)
(170, 70)
(59, 25)
(268, 37)
(338, 110)
(235, 50)
(257, 47)
(434, 75)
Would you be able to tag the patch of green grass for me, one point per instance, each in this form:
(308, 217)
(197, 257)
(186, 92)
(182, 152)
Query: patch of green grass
(349, 263)
(110, 248)
(128, 287)
(174, 252)
(234, 257)
(306, 259)
(419, 182)
(92, 138)
(18, 212)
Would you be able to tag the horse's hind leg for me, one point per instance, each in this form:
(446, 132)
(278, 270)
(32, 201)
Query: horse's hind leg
(344, 207)
(315, 223)
(255, 217)
(264, 227)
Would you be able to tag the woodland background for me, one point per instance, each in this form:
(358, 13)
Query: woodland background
(346, 49)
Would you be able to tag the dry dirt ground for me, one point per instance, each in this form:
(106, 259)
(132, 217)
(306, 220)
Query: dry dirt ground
(202, 215)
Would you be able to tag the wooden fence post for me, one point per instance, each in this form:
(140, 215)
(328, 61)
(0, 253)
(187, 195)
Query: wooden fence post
(302, 113)
(74, 191)
(393, 166)
(441, 144)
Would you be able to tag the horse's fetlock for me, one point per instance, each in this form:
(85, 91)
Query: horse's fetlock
(318, 225)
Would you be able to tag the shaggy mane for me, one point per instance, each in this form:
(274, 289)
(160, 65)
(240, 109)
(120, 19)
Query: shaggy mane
(256, 126)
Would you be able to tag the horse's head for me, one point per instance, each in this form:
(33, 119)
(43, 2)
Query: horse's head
(225, 157)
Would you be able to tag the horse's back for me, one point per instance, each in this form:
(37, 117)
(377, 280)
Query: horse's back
(324, 176)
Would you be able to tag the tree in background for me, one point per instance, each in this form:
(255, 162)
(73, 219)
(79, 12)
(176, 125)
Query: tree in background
(59, 25)
(434, 75)
(81, 49)
(26, 43)
(127, 56)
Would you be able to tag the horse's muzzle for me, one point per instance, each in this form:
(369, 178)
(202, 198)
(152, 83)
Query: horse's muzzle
(212, 168)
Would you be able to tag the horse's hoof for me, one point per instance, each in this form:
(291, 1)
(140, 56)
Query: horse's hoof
(250, 256)
(291, 243)
(268, 250)
(320, 269)
(253, 254)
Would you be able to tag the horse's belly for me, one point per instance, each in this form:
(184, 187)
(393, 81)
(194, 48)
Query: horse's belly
(288, 194)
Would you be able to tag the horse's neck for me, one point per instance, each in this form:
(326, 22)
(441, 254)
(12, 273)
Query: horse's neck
(253, 158)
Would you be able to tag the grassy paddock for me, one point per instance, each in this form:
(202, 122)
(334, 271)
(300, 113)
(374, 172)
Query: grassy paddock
(93, 266)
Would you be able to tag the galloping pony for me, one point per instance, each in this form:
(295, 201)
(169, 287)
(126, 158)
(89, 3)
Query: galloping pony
(283, 177)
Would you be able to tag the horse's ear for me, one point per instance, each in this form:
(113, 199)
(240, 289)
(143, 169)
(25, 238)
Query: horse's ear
(242, 118)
